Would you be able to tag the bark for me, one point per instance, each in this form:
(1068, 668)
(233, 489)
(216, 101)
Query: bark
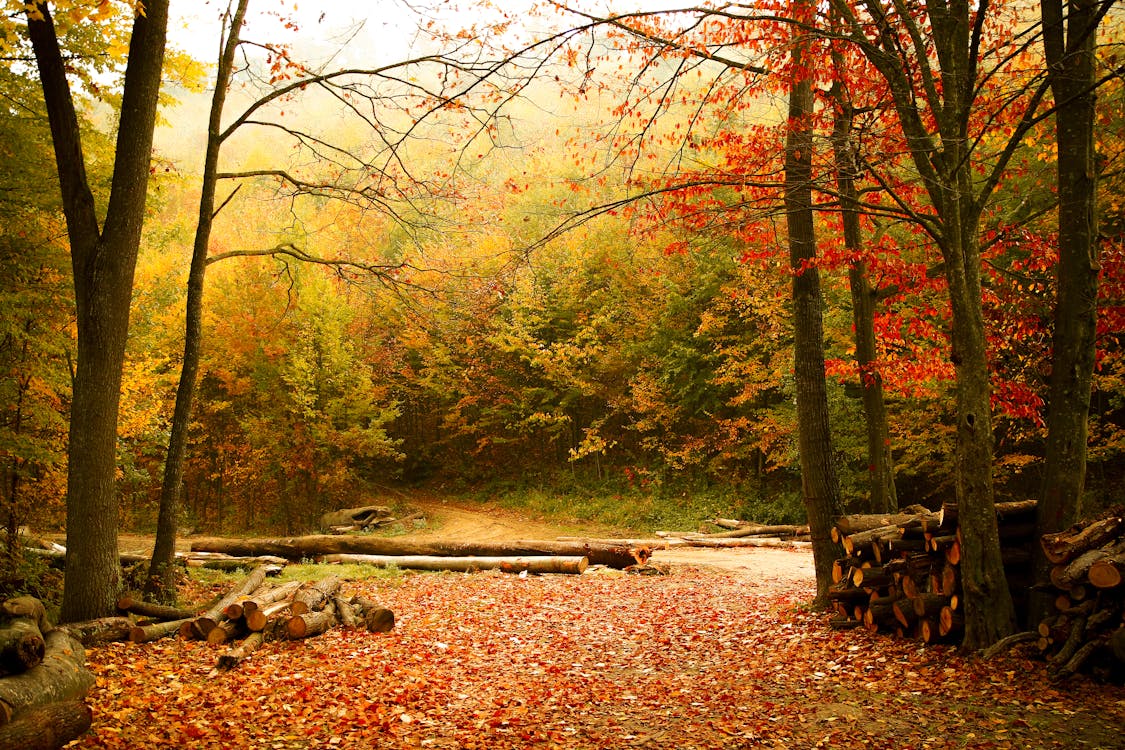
(538, 564)
(61, 677)
(375, 618)
(819, 485)
(103, 259)
(345, 613)
(262, 598)
(853, 524)
(297, 548)
(880, 464)
(1069, 46)
(47, 727)
(757, 529)
(161, 583)
(202, 625)
(259, 619)
(1066, 545)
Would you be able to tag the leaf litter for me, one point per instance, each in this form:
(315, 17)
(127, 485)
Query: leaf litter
(695, 660)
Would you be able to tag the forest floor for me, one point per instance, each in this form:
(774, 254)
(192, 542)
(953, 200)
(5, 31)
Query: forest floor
(719, 653)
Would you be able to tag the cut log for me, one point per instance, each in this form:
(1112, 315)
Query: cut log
(317, 545)
(314, 596)
(21, 646)
(1066, 545)
(30, 608)
(376, 619)
(156, 631)
(848, 525)
(1068, 575)
(367, 515)
(62, 676)
(226, 631)
(130, 603)
(47, 727)
(100, 630)
(261, 597)
(536, 564)
(852, 542)
(1014, 509)
(274, 565)
(238, 654)
(345, 613)
(203, 624)
(1109, 571)
(308, 624)
(258, 620)
(756, 529)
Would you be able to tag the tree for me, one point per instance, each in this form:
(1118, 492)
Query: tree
(103, 258)
(818, 472)
(1069, 46)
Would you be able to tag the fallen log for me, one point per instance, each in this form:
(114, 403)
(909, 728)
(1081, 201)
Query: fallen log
(29, 607)
(258, 620)
(203, 624)
(317, 545)
(261, 597)
(345, 613)
(100, 630)
(537, 564)
(230, 564)
(308, 624)
(238, 654)
(376, 619)
(848, 525)
(756, 529)
(360, 517)
(1109, 571)
(21, 646)
(46, 727)
(62, 676)
(156, 631)
(129, 603)
(314, 596)
(1065, 545)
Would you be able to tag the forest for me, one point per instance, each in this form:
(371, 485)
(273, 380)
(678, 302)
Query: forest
(777, 262)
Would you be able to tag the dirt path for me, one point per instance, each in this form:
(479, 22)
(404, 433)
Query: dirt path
(463, 522)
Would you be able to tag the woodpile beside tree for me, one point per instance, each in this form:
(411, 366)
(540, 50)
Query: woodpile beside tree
(44, 679)
(1088, 630)
(901, 573)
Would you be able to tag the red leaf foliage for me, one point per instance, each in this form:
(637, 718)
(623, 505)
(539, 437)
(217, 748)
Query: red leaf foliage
(697, 659)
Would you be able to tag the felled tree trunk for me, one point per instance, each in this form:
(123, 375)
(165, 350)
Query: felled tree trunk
(316, 545)
(21, 646)
(537, 564)
(156, 631)
(359, 517)
(101, 630)
(129, 603)
(62, 676)
(46, 727)
(314, 596)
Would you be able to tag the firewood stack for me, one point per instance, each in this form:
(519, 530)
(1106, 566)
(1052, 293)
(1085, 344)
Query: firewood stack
(43, 680)
(901, 573)
(257, 611)
(1088, 577)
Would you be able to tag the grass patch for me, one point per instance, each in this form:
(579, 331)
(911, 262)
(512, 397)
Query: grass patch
(640, 510)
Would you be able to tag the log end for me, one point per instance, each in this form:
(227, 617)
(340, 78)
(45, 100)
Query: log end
(380, 620)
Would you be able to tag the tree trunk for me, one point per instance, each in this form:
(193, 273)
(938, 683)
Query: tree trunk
(538, 564)
(239, 653)
(880, 464)
(156, 631)
(148, 609)
(100, 630)
(47, 727)
(103, 261)
(316, 545)
(62, 676)
(1070, 57)
(161, 584)
(314, 596)
(819, 485)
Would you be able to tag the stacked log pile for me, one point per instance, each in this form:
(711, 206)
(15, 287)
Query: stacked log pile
(44, 680)
(1088, 576)
(256, 611)
(901, 573)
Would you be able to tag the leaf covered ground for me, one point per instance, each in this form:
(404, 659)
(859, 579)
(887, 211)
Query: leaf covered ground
(696, 659)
